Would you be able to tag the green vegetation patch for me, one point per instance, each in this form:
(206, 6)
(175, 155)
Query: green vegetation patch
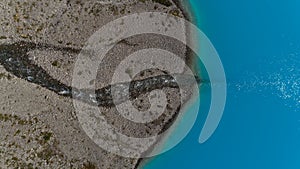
(55, 63)
(46, 136)
(166, 3)
(14, 119)
(89, 165)
(5, 76)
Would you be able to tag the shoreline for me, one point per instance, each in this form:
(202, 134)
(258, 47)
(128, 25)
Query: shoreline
(191, 58)
(185, 8)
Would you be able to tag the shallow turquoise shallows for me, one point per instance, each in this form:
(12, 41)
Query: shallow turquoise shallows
(259, 44)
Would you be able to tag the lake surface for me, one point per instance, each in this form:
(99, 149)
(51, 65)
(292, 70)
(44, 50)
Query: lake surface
(259, 44)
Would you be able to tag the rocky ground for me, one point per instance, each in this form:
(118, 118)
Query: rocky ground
(40, 129)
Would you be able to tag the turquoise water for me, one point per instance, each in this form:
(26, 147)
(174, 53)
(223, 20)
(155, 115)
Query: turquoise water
(259, 44)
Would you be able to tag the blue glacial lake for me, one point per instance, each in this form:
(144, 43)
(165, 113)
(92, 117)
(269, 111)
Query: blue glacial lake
(259, 44)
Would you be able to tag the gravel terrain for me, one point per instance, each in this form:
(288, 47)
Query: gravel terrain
(38, 127)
